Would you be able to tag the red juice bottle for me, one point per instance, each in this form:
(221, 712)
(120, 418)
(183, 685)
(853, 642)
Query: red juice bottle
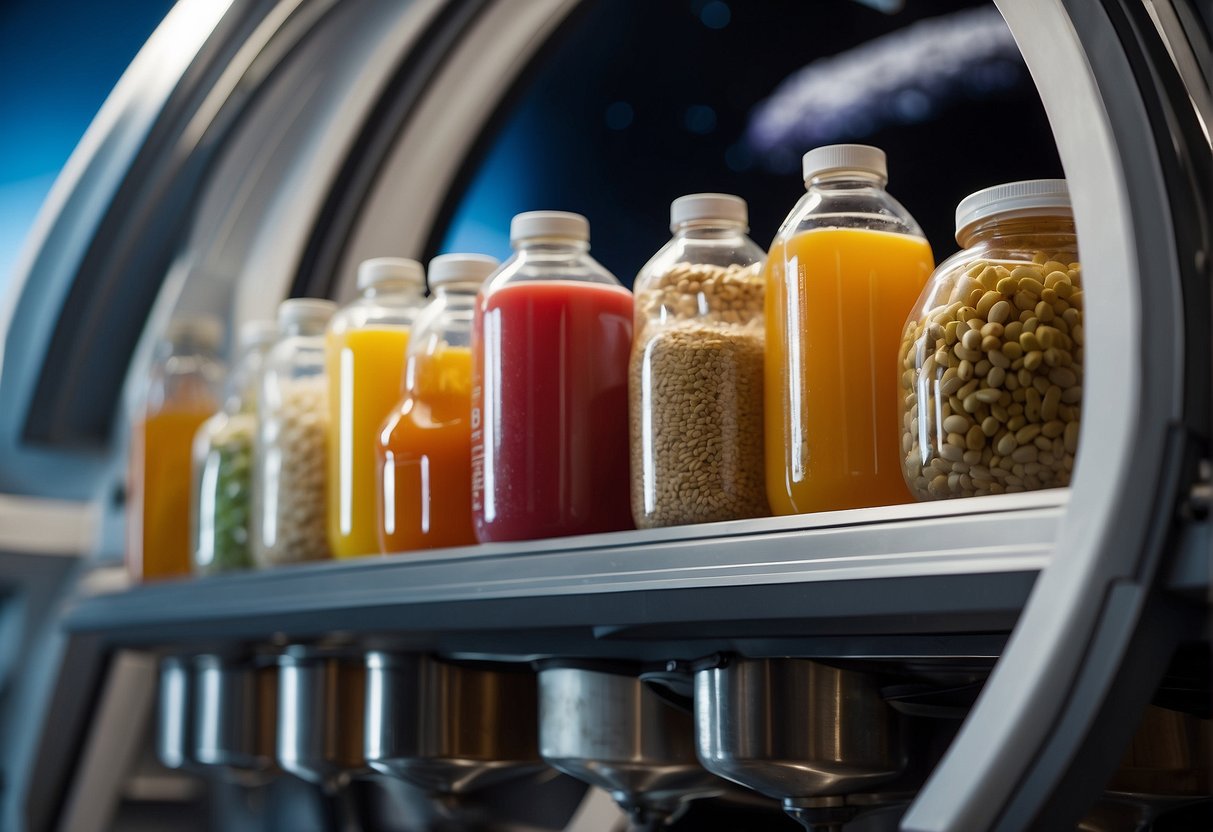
(550, 348)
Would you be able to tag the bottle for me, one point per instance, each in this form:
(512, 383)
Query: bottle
(425, 447)
(842, 274)
(182, 392)
(550, 347)
(365, 349)
(697, 371)
(221, 516)
(992, 354)
(291, 449)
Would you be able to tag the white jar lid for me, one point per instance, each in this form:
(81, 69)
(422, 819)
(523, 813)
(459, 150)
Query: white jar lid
(206, 331)
(257, 332)
(446, 269)
(305, 310)
(834, 157)
(707, 207)
(380, 270)
(1030, 198)
(532, 224)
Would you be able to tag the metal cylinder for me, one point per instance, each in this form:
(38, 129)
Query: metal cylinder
(321, 708)
(449, 728)
(794, 728)
(174, 714)
(610, 730)
(234, 721)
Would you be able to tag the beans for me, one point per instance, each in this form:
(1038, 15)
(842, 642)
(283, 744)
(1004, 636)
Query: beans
(1005, 380)
(696, 387)
(293, 450)
(223, 539)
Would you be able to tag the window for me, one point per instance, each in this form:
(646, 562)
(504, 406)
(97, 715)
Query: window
(636, 103)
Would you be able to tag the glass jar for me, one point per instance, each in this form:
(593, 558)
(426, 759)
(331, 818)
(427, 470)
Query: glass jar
(550, 348)
(697, 371)
(222, 508)
(425, 447)
(182, 392)
(365, 349)
(845, 268)
(991, 358)
(290, 453)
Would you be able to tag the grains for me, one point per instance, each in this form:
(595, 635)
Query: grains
(293, 457)
(697, 397)
(1001, 411)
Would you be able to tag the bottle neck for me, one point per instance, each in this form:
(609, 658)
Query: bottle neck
(846, 180)
(392, 288)
(1014, 230)
(554, 246)
(711, 229)
(303, 329)
(457, 295)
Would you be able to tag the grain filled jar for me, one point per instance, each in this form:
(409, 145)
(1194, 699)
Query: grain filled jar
(365, 348)
(696, 373)
(292, 440)
(991, 358)
(843, 272)
(221, 519)
(551, 340)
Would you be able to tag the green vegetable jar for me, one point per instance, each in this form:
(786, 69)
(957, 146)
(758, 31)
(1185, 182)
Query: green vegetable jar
(223, 464)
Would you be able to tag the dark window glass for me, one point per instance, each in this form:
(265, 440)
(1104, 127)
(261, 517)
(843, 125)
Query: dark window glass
(638, 102)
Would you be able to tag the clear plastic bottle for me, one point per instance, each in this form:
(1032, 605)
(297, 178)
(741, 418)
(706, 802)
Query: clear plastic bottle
(182, 392)
(425, 446)
(221, 516)
(550, 348)
(992, 355)
(845, 268)
(365, 349)
(290, 454)
(697, 370)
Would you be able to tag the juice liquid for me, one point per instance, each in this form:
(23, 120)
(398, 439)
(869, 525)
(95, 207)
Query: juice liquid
(159, 491)
(550, 410)
(365, 372)
(837, 301)
(426, 457)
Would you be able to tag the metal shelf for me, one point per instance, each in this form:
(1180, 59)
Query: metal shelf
(926, 579)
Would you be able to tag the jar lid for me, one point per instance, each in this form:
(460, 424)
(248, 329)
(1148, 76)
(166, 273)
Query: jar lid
(205, 331)
(834, 157)
(532, 224)
(446, 269)
(1030, 198)
(380, 270)
(305, 310)
(258, 332)
(707, 207)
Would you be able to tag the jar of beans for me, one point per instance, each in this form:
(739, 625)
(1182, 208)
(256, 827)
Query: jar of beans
(992, 356)
(696, 372)
(221, 515)
(290, 517)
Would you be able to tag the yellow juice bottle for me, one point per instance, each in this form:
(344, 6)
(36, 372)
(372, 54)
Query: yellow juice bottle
(842, 274)
(365, 351)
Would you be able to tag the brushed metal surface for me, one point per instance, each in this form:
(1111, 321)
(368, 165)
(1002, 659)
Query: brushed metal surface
(449, 728)
(612, 731)
(321, 710)
(234, 715)
(794, 728)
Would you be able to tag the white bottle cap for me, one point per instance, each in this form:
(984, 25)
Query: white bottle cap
(534, 224)
(707, 207)
(1030, 198)
(380, 270)
(205, 331)
(834, 157)
(446, 269)
(257, 332)
(305, 310)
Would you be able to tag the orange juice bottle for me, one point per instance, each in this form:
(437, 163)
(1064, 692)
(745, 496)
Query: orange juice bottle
(424, 455)
(364, 349)
(182, 393)
(843, 272)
